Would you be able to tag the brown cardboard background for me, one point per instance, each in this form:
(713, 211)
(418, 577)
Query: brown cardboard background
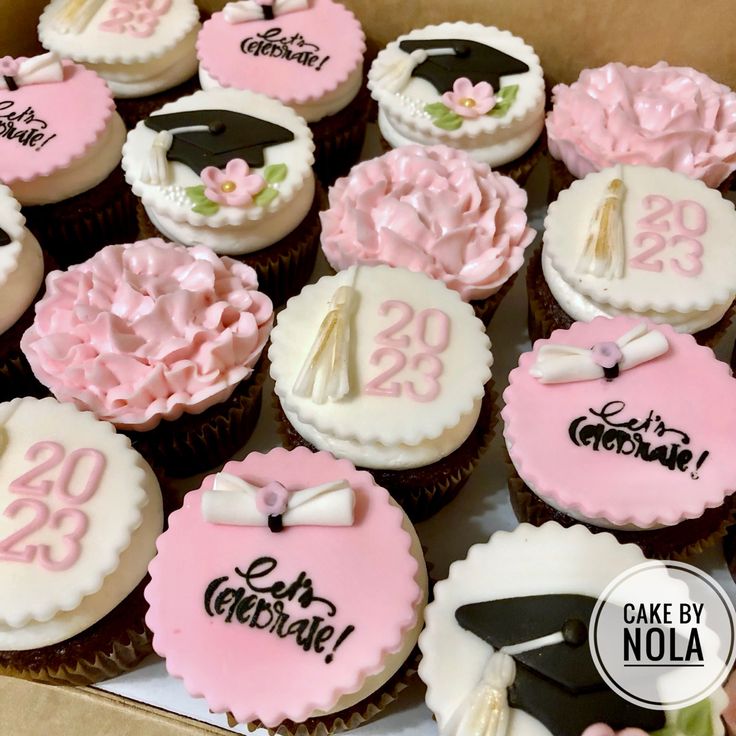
(568, 35)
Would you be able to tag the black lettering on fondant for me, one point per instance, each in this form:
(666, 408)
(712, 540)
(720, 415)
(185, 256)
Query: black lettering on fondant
(23, 126)
(258, 601)
(607, 430)
(290, 48)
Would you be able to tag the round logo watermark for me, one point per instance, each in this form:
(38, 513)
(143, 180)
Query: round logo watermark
(663, 635)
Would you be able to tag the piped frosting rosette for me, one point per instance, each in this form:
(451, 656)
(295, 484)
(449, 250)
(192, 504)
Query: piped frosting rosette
(147, 331)
(667, 116)
(432, 210)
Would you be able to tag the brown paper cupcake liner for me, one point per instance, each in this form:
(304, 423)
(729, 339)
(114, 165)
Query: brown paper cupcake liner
(681, 541)
(196, 443)
(423, 491)
(349, 718)
(115, 644)
(75, 229)
(338, 138)
(283, 268)
(134, 109)
(546, 315)
(518, 169)
(560, 178)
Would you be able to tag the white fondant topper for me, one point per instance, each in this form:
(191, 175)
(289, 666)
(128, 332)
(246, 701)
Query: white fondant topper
(233, 500)
(569, 363)
(325, 373)
(41, 69)
(74, 16)
(243, 11)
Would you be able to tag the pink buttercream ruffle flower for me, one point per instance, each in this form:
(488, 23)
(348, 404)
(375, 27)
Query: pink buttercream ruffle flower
(674, 117)
(148, 331)
(434, 210)
(8, 66)
(468, 100)
(234, 185)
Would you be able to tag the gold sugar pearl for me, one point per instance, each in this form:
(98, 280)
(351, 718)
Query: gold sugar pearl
(228, 186)
(468, 102)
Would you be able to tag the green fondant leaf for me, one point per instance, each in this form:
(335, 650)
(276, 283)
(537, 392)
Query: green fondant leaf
(196, 194)
(275, 173)
(505, 97)
(450, 121)
(436, 109)
(206, 208)
(696, 720)
(265, 196)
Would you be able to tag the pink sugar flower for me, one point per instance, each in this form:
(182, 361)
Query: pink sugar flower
(234, 185)
(602, 729)
(272, 499)
(8, 66)
(606, 354)
(470, 101)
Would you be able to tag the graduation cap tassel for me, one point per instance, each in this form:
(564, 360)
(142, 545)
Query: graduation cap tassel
(74, 15)
(394, 77)
(324, 374)
(156, 169)
(604, 251)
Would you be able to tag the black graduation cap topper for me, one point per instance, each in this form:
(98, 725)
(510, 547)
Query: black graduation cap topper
(472, 59)
(201, 138)
(556, 683)
(5, 239)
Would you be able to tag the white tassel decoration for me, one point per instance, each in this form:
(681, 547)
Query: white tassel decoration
(74, 16)
(605, 251)
(325, 373)
(243, 11)
(394, 77)
(156, 169)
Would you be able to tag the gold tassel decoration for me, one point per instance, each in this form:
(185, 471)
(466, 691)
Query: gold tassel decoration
(605, 251)
(325, 373)
(74, 15)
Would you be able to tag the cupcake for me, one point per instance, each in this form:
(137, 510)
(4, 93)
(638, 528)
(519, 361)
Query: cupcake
(21, 281)
(74, 547)
(326, 645)
(144, 49)
(663, 115)
(636, 241)
(307, 54)
(643, 415)
(482, 665)
(391, 370)
(464, 85)
(231, 170)
(434, 210)
(162, 341)
(61, 160)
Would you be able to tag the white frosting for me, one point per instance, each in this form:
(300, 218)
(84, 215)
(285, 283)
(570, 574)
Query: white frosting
(329, 104)
(367, 427)
(21, 263)
(528, 561)
(495, 141)
(82, 174)
(124, 517)
(393, 662)
(689, 304)
(231, 230)
(134, 65)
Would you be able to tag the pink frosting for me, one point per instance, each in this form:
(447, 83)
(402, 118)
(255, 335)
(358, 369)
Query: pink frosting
(667, 116)
(251, 671)
(433, 210)
(686, 388)
(147, 331)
